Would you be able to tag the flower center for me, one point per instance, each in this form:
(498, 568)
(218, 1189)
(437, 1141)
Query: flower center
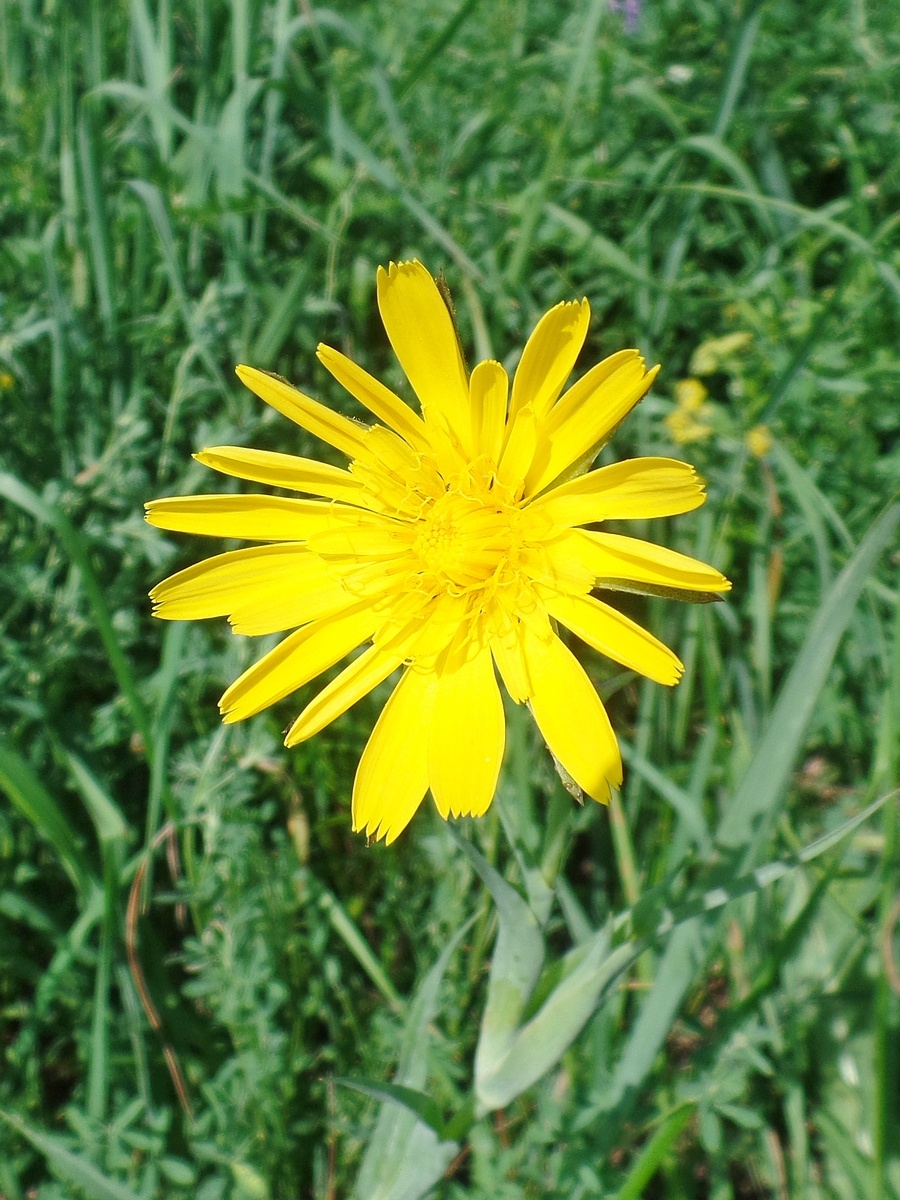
(463, 541)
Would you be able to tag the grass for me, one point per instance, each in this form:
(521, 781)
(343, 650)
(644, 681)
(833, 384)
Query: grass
(187, 187)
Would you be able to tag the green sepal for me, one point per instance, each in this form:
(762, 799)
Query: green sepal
(687, 595)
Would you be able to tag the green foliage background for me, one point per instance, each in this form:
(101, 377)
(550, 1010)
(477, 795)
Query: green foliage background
(188, 186)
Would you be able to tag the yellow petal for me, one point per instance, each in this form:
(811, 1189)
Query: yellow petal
(392, 777)
(637, 487)
(488, 391)
(571, 717)
(213, 588)
(507, 651)
(366, 672)
(618, 637)
(549, 356)
(302, 656)
(286, 471)
(421, 332)
(377, 398)
(612, 556)
(587, 415)
(519, 451)
(467, 734)
(256, 518)
(363, 541)
(296, 601)
(331, 427)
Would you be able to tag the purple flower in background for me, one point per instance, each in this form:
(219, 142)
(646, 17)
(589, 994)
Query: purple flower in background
(631, 9)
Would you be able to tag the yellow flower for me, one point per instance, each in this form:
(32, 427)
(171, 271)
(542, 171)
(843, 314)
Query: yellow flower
(685, 426)
(759, 440)
(450, 546)
(709, 356)
(690, 394)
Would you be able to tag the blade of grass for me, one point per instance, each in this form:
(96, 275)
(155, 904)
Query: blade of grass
(347, 141)
(648, 1161)
(344, 926)
(584, 54)
(886, 1016)
(438, 43)
(98, 225)
(112, 833)
(35, 803)
(405, 1158)
(735, 78)
(155, 205)
(75, 547)
(756, 798)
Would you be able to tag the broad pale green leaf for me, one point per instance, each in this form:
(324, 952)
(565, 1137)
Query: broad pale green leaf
(405, 1158)
(515, 967)
(539, 1045)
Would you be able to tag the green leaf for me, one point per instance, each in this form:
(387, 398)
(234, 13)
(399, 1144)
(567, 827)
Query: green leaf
(405, 1157)
(105, 814)
(75, 547)
(33, 800)
(749, 813)
(539, 1044)
(651, 1155)
(70, 1166)
(418, 1103)
(515, 967)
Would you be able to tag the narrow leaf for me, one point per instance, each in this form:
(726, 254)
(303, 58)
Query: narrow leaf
(418, 1103)
(69, 1165)
(33, 800)
(749, 812)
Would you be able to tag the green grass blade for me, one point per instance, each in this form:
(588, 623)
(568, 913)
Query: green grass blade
(750, 810)
(73, 543)
(648, 1161)
(419, 1103)
(98, 225)
(439, 42)
(346, 929)
(347, 140)
(105, 814)
(35, 803)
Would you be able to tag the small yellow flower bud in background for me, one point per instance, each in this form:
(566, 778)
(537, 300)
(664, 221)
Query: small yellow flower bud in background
(690, 394)
(684, 427)
(759, 440)
(6, 381)
(709, 356)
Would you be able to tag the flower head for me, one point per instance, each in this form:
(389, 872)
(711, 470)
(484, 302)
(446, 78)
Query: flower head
(450, 547)
(759, 440)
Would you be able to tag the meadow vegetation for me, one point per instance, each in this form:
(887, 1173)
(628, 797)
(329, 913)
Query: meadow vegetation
(187, 186)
